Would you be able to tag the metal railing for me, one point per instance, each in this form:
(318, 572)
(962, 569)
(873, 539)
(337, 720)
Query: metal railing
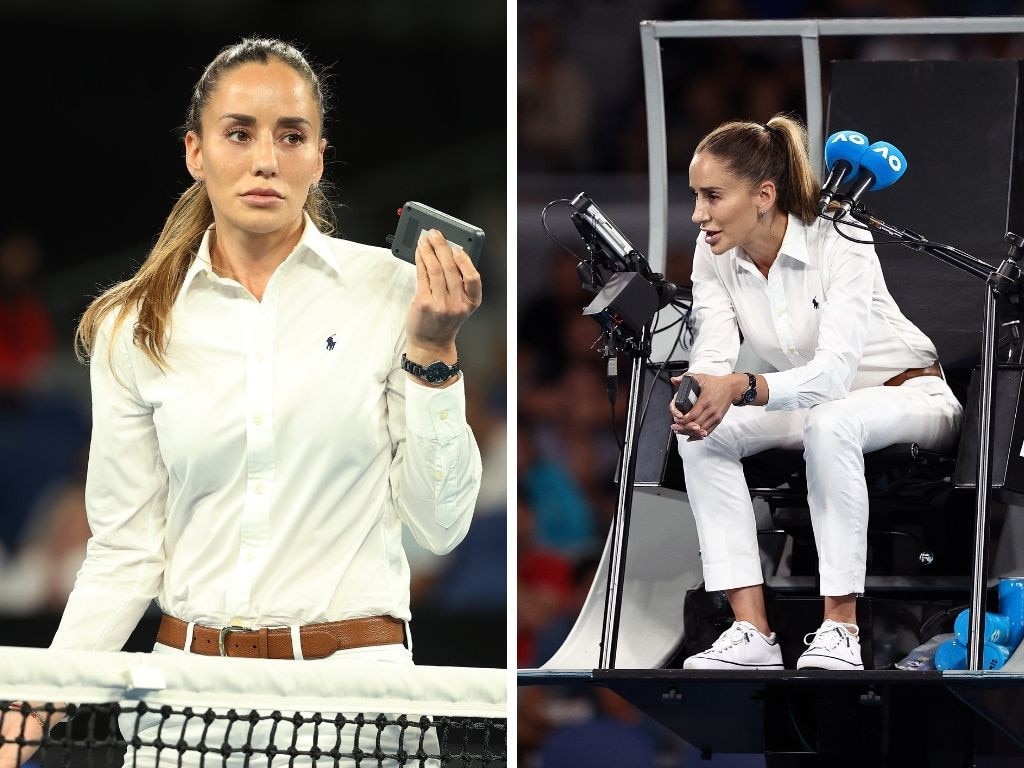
(809, 31)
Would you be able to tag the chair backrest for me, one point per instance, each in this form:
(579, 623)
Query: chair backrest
(960, 126)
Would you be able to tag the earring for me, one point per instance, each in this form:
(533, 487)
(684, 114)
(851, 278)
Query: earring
(762, 213)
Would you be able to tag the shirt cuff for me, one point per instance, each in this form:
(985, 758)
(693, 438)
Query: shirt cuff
(435, 414)
(782, 391)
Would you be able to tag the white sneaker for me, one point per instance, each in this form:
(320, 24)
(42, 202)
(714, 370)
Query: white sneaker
(741, 646)
(833, 646)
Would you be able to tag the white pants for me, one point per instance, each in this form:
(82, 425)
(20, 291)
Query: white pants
(834, 436)
(326, 736)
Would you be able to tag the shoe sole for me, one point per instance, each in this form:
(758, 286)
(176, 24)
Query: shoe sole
(849, 665)
(831, 669)
(732, 664)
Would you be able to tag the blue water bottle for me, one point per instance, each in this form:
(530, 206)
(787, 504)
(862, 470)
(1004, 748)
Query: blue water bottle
(952, 655)
(1011, 605)
(996, 629)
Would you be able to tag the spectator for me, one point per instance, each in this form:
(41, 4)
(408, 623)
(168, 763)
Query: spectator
(26, 331)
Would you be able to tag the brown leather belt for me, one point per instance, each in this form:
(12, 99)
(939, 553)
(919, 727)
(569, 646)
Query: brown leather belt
(316, 640)
(912, 373)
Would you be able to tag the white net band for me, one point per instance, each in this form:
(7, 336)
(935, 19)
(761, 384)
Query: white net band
(345, 684)
(186, 711)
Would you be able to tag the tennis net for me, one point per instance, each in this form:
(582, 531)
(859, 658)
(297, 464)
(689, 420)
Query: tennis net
(157, 711)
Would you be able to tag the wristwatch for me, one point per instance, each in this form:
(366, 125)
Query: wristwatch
(435, 373)
(751, 393)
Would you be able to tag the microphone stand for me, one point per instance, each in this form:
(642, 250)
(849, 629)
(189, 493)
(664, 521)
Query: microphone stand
(628, 295)
(1003, 282)
(625, 305)
(624, 507)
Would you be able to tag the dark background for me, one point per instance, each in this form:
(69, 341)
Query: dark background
(94, 96)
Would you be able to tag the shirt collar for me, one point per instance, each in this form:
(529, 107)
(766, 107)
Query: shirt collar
(794, 246)
(312, 239)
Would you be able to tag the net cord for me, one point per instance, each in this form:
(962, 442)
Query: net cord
(41, 674)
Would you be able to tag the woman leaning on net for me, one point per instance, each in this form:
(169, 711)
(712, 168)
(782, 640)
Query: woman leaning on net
(852, 374)
(258, 439)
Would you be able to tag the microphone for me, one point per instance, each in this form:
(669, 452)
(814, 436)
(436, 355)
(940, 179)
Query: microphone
(843, 152)
(881, 166)
(610, 236)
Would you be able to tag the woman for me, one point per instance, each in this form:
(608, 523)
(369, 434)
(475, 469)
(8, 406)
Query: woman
(852, 375)
(263, 424)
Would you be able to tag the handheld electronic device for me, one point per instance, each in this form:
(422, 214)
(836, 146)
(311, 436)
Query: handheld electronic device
(416, 217)
(689, 391)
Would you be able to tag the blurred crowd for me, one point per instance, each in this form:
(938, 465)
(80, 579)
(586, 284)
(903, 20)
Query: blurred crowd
(580, 105)
(43, 444)
(581, 123)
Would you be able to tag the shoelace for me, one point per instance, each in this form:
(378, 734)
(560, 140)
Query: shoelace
(734, 635)
(828, 636)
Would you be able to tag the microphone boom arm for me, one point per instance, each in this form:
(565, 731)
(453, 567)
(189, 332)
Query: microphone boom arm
(952, 256)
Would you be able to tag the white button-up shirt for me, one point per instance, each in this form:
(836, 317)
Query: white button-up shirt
(823, 318)
(264, 477)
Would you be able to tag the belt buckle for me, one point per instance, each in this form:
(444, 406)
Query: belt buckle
(222, 635)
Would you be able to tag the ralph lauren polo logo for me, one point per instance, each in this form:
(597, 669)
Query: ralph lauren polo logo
(814, 302)
(331, 342)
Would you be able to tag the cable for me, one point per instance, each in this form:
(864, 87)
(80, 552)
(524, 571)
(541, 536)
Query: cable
(620, 440)
(544, 224)
(796, 726)
(910, 241)
(858, 225)
(657, 375)
(673, 324)
(933, 622)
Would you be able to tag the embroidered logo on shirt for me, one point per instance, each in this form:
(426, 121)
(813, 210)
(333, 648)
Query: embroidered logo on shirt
(814, 302)
(331, 342)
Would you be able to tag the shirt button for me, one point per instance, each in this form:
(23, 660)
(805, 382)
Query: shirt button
(210, 276)
(442, 415)
(257, 419)
(258, 487)
(259, 357)
(439, 475)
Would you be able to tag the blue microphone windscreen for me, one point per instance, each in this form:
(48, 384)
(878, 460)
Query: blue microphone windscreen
(848, 146)
(885, 163)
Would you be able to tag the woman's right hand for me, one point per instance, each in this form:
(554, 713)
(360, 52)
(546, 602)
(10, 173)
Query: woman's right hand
(681, 423)
(717, 395)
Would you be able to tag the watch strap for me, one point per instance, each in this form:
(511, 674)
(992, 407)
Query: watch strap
(436, 372)
(750, 394)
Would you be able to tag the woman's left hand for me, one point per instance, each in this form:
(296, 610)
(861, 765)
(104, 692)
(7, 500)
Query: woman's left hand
(448, 290)
(717, 394)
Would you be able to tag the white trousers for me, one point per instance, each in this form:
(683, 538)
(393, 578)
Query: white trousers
(835, 436)
(326, 736)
